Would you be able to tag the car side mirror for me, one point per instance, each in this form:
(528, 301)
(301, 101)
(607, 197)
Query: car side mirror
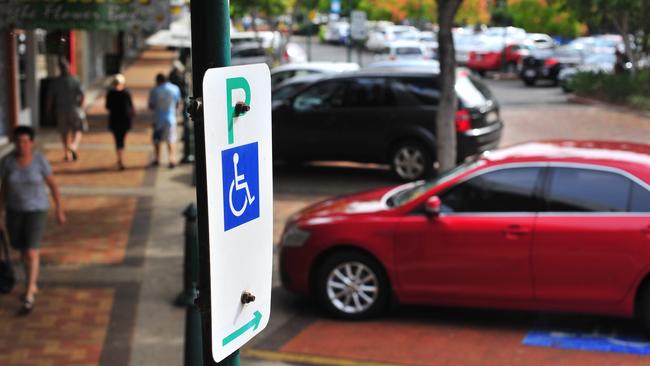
(432, 206)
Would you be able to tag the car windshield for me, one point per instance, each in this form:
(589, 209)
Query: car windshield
(412, 191)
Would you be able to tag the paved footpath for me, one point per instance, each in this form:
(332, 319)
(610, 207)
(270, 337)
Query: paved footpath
(110, 274)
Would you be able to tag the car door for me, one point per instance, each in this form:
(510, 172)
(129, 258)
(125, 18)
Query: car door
(591, 242)
(479, 246)
(303, 130)
(362, 122)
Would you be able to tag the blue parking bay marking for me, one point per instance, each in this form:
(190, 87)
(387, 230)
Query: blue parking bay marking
(588, 342)
(241, 185)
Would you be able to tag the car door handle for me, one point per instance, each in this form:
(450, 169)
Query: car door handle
(515, 231)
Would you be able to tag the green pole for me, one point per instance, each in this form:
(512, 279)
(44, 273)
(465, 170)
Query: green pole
(210, 48)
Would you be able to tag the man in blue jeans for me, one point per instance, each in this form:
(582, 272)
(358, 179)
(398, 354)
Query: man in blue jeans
(164, 101)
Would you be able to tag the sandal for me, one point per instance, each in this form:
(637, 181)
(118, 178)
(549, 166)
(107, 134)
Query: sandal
(75, 156)
(27, 307)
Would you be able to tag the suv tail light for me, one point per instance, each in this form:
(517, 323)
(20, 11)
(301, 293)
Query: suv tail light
(285, 56)
(463, 121)
(551, 62)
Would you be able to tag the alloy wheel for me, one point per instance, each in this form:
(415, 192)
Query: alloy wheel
(409, 162)
(352, 287)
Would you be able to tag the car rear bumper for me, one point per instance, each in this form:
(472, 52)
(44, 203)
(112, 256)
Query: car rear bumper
(478, 140)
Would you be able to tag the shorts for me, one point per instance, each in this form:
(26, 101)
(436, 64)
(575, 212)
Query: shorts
(69, 122)
(26, 228)
(166, 133)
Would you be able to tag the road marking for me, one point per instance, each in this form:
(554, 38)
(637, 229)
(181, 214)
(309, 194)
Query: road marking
(306, 359)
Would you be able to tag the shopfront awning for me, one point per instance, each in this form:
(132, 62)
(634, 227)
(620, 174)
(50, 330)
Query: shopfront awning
(110, 15)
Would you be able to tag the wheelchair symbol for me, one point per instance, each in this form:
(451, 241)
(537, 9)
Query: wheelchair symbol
(238, 184)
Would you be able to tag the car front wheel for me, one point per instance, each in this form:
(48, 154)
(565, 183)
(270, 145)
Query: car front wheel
(643, 308)
(352, 285)
(411, 161)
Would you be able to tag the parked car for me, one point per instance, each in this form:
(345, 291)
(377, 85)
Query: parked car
(384, 116)
(249, 53)
(380, 38)
(293, 53)
(553, 226)
(337, 32)
(284, 72)
(406, 64)
(463, 45)
(430, 42)
(596, 63)
(287, 88)
(540, 64)
(266, 39)
(402, 50)
(492, 56)
(539, 40)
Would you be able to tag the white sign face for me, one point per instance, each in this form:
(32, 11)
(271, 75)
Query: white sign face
(358, 25)
(240, 202)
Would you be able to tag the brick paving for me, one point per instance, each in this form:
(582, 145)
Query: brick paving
(72, 321)
(68, 327)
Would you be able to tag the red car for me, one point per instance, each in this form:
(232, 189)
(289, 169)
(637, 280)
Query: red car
(560, 226)
(490, 58)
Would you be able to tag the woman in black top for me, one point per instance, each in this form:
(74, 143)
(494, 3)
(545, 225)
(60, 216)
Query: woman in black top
(121, 111)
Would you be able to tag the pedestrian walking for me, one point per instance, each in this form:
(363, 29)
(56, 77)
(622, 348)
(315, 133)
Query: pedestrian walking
(164, 101)
(120, 113)
(23, 199)
(64, 101)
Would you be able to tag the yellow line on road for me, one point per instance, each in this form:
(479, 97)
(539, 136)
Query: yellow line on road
(306, 359)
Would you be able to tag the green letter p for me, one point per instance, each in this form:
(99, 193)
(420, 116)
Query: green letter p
(231, 85)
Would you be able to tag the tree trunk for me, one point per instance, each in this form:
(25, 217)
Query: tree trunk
(445, 125)
(623, 27)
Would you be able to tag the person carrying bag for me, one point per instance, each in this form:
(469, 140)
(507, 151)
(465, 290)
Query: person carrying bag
(7, 276)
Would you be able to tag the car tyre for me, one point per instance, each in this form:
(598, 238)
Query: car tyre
(410, 160)
(643, 308)
(529, 81)
(352, 285)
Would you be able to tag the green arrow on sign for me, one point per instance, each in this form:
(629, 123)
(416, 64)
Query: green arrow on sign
(254, 323)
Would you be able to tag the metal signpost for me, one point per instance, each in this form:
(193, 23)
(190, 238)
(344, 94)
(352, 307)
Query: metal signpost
(231, 109)
(358, 31)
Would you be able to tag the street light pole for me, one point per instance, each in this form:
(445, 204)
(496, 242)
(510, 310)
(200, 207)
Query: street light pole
(210, 48)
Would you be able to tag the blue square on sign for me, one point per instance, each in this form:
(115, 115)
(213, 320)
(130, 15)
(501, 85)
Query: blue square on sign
(241, 185)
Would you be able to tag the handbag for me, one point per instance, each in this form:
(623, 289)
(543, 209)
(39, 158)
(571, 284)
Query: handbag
(7, 275)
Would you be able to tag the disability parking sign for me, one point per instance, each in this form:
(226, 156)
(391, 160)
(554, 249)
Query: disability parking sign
(237, 115)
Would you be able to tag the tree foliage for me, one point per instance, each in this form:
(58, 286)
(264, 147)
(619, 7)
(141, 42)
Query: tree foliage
(552, 17)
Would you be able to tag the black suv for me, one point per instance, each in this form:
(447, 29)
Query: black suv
(382, 116)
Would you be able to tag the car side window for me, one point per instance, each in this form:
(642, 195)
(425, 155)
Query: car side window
(320, 96)
(640, 199)
(416, 91)
(282, 76)
(367, 92)
(505, 190)
(587, 190)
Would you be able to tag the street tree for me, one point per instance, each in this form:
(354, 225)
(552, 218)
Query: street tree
(626, 16)
(445, 127)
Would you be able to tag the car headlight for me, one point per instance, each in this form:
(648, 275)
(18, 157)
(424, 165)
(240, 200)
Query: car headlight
(293, 236)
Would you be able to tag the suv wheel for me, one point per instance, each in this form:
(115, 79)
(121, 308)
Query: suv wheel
(643, 308)
(529, 81)
(352, 285)
(411, 161)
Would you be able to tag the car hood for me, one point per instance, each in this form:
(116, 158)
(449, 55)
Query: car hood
(358, 204)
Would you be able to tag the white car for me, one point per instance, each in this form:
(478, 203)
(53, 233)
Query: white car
(430, 42)
(267, 39)
(400, 50)
(429, 65)
(337, 32)
(539, 40)
(379, 39)
(288, 71)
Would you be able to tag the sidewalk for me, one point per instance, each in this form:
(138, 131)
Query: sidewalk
(110, 274)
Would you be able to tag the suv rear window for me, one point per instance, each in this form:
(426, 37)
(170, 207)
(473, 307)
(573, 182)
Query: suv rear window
(416, 91)
(469, 94)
